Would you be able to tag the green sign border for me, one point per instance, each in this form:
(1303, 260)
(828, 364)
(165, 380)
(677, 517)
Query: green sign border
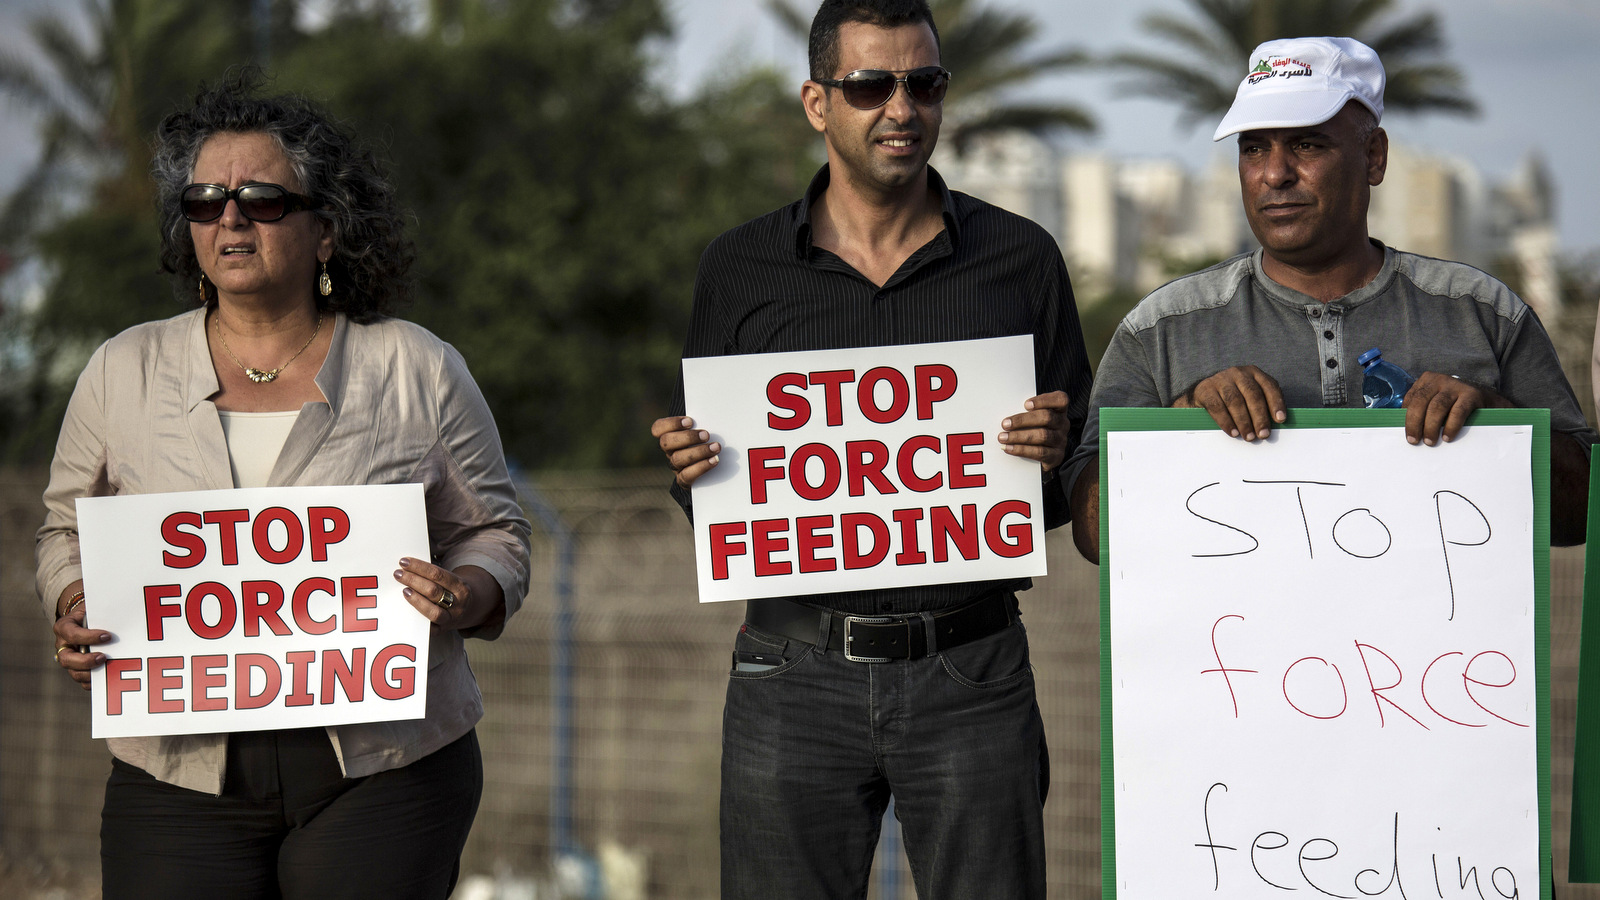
(1583, 863)
(1123, 419)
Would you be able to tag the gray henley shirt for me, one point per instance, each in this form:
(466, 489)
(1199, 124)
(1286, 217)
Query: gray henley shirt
(1426, 315)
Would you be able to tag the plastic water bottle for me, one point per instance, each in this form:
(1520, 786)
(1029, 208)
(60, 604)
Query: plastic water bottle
(1384, 384)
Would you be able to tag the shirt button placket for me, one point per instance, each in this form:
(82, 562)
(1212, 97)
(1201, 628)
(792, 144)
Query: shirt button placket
(883, 316)
(1330, 343)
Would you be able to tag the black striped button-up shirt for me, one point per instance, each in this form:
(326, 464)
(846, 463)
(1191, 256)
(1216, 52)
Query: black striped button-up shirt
(764, 288)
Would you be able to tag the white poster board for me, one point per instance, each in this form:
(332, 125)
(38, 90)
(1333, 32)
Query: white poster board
(252, 609)
(876, 467)
(1323, 664)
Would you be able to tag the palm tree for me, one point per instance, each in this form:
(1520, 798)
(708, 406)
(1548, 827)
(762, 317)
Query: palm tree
(1220, 42)
(983, 48)
(99, 99)
(72, 98)
(99, 76)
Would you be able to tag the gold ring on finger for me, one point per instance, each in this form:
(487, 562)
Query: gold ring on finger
(58, 651)
(446, 599)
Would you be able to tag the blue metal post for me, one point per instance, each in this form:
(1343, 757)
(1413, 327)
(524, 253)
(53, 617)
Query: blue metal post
(562, 842)
(889, 855)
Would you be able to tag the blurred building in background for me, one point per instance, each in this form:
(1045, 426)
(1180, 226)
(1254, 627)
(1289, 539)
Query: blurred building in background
(1134, 223)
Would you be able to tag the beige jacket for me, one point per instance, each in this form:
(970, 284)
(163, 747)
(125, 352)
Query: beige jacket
(401, 408)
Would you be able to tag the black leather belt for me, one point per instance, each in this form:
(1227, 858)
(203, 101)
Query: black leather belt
(884, 638)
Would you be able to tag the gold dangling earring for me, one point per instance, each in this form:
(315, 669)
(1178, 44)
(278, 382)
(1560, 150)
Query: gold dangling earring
(203, 300)
(324, 283)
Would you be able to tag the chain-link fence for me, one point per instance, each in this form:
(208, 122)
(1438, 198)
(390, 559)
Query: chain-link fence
(635, 793)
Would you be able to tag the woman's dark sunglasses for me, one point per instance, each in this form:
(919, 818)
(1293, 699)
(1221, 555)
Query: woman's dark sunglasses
(257, 202)
(872, 88)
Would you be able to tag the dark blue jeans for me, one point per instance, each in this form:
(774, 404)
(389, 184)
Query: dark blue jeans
(813, 749)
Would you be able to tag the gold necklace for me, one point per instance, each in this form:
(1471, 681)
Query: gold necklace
(264, 376)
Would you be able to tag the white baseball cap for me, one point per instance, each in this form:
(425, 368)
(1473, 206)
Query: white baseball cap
(1296, 82)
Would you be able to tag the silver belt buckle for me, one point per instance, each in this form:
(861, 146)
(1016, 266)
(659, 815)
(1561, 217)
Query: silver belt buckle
(848, 638)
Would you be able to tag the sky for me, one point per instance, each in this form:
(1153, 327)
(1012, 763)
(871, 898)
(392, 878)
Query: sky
(1531, 64)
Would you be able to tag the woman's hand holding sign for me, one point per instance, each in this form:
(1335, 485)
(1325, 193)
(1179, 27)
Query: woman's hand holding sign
(73, 639)
(452, 600)
(1041, 432)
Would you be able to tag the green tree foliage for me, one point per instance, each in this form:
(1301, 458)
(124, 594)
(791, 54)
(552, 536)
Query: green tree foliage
(983, 47)
(561, 198)
(1203, 77)
(99, 101)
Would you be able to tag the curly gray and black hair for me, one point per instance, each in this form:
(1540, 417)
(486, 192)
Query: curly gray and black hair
(372, 256)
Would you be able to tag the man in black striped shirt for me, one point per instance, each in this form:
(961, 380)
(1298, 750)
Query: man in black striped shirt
(880, 252)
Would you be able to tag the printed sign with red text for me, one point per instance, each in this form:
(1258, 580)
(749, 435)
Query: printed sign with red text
(877, 467)
(1324, 663)
(252, 609)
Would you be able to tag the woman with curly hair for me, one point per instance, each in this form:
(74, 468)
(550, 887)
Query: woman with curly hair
(290, 372)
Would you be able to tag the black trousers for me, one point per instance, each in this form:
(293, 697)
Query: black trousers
(290, 825)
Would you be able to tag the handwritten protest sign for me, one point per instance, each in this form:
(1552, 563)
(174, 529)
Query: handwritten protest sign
(252, 609)
(1326, 658)
(867, 468)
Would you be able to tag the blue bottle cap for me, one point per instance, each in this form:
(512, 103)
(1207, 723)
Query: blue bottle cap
(1368, 356)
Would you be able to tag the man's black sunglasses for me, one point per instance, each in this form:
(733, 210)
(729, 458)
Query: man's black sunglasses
(872, 88)
(257, 202)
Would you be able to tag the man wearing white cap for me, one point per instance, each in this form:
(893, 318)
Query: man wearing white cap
(1281, 327)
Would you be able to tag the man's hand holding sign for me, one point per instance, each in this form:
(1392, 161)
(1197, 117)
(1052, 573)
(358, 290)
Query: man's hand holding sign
(865, 468)
(1246, 402)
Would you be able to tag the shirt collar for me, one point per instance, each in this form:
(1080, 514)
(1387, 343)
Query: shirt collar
(1373, 288)
(331, 377)
(819, 183)
(201, 381)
